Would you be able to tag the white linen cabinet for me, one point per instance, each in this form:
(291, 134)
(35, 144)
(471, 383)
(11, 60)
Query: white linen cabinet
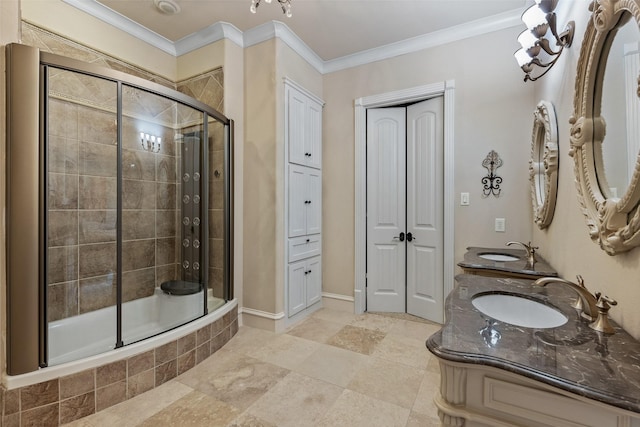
(303, 200)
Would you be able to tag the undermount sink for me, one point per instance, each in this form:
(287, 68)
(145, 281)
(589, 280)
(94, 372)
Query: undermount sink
(492, 256)
(519, 311)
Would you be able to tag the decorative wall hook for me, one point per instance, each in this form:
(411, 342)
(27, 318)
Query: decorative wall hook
(492, 181)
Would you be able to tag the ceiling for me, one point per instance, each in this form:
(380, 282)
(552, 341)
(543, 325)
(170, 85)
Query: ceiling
(331, 28)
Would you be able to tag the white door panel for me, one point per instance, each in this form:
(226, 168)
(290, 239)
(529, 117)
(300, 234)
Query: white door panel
(296, 127)
(297, 197)
(314, 135)
(425, 220)
(297, 287)
(405, 195)
(314, 280)
(386, 219)
(314, 207)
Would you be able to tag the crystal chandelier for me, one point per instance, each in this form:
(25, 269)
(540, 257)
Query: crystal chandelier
(284, 4)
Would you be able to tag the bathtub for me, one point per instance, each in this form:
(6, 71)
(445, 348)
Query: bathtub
(94, 333)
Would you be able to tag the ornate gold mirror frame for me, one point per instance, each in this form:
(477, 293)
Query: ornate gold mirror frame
(614, 223)
(543, 165)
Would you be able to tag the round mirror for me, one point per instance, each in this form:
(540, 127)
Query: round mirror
(604, 141)
(619, 108)
(543, 165)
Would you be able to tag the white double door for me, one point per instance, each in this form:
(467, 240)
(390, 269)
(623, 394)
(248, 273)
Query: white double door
(405, 221)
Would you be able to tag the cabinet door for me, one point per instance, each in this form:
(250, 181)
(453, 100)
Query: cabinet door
(297, 207)
(296, 127)
(314, 280)
(314, 208)
(297, 291)
(313, 134)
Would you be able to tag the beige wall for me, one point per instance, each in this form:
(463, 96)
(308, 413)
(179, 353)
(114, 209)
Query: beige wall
(260, 179)
(493, 111)
(76, 25)
(566, 242)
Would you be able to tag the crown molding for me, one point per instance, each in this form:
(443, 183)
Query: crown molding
(208, 35)
(277, 29)
(123, 23)
(459, 32)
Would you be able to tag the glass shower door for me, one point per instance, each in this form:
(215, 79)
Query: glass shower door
(162, 216)
(81, 182)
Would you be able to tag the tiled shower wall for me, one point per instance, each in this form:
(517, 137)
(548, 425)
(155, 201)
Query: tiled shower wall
(82, 193)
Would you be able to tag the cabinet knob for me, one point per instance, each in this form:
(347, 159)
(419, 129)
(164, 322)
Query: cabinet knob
(308, 240)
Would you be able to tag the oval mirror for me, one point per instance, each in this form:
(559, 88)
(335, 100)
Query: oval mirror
(543, 165)
(604, 139)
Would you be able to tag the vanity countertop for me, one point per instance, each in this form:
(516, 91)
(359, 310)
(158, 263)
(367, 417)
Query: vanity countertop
(572, 357)
(520, 267)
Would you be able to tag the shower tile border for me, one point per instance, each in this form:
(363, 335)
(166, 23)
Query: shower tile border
(115, 381)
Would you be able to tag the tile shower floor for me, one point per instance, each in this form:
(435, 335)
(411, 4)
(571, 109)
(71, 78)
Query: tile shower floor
(333, 369)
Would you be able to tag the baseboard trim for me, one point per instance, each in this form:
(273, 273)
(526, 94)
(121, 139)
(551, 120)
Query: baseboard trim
(338, 302)
(261, 319)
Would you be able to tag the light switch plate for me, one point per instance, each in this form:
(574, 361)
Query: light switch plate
(501, 225)
(464, 199)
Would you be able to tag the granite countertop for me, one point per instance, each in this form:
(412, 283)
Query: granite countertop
(541, 268)
(572, 357)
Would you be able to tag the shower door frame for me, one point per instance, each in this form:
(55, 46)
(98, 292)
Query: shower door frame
(26, 215)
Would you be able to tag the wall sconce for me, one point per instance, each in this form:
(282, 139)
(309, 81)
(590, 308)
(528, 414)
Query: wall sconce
(150, 142)
(491, 182)
(540, 18)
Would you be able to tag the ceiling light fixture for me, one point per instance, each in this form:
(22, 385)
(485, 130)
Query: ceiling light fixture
(284, 4)
(539, 19)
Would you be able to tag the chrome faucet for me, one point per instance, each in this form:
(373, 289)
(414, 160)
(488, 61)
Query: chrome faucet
(531, 251)
(592, 307)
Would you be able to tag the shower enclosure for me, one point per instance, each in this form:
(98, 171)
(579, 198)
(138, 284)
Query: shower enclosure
(119, 209)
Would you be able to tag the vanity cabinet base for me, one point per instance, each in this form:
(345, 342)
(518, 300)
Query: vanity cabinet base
(482, 396)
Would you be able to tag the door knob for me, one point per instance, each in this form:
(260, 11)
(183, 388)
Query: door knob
(400, 237)
(410, 237)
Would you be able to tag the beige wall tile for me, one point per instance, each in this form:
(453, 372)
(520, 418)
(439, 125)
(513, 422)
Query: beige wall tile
(138, 165)
(39, 394)
(138, 224)
(166, 352)
(166, 223)
(96, 125)
(203, 335)
(166, 372)
(137, 254)
(97, 192)
(62, 300)
(141, 362)
(77, 384)
(111, 395)
(166, 169)
(63, 154)
(97, 226)
(63, 228)
(166, 251)
(138, 194)
(138, 284)
(62, 264)
(111, 373)
(138, 384)
(166, 195)
(63, 119)
(186, 343)
(97, 292)
(97, 259)
(63, 191)
(77, 407)
(97, 159)
(41, 416)
(186, 361)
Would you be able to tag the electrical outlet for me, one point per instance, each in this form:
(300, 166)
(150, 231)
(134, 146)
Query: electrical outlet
(501, 225)
(464, 199)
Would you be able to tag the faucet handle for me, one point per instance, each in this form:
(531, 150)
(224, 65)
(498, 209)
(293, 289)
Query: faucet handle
(602, 324)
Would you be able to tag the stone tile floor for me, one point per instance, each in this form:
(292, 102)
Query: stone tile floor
(332, 369)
